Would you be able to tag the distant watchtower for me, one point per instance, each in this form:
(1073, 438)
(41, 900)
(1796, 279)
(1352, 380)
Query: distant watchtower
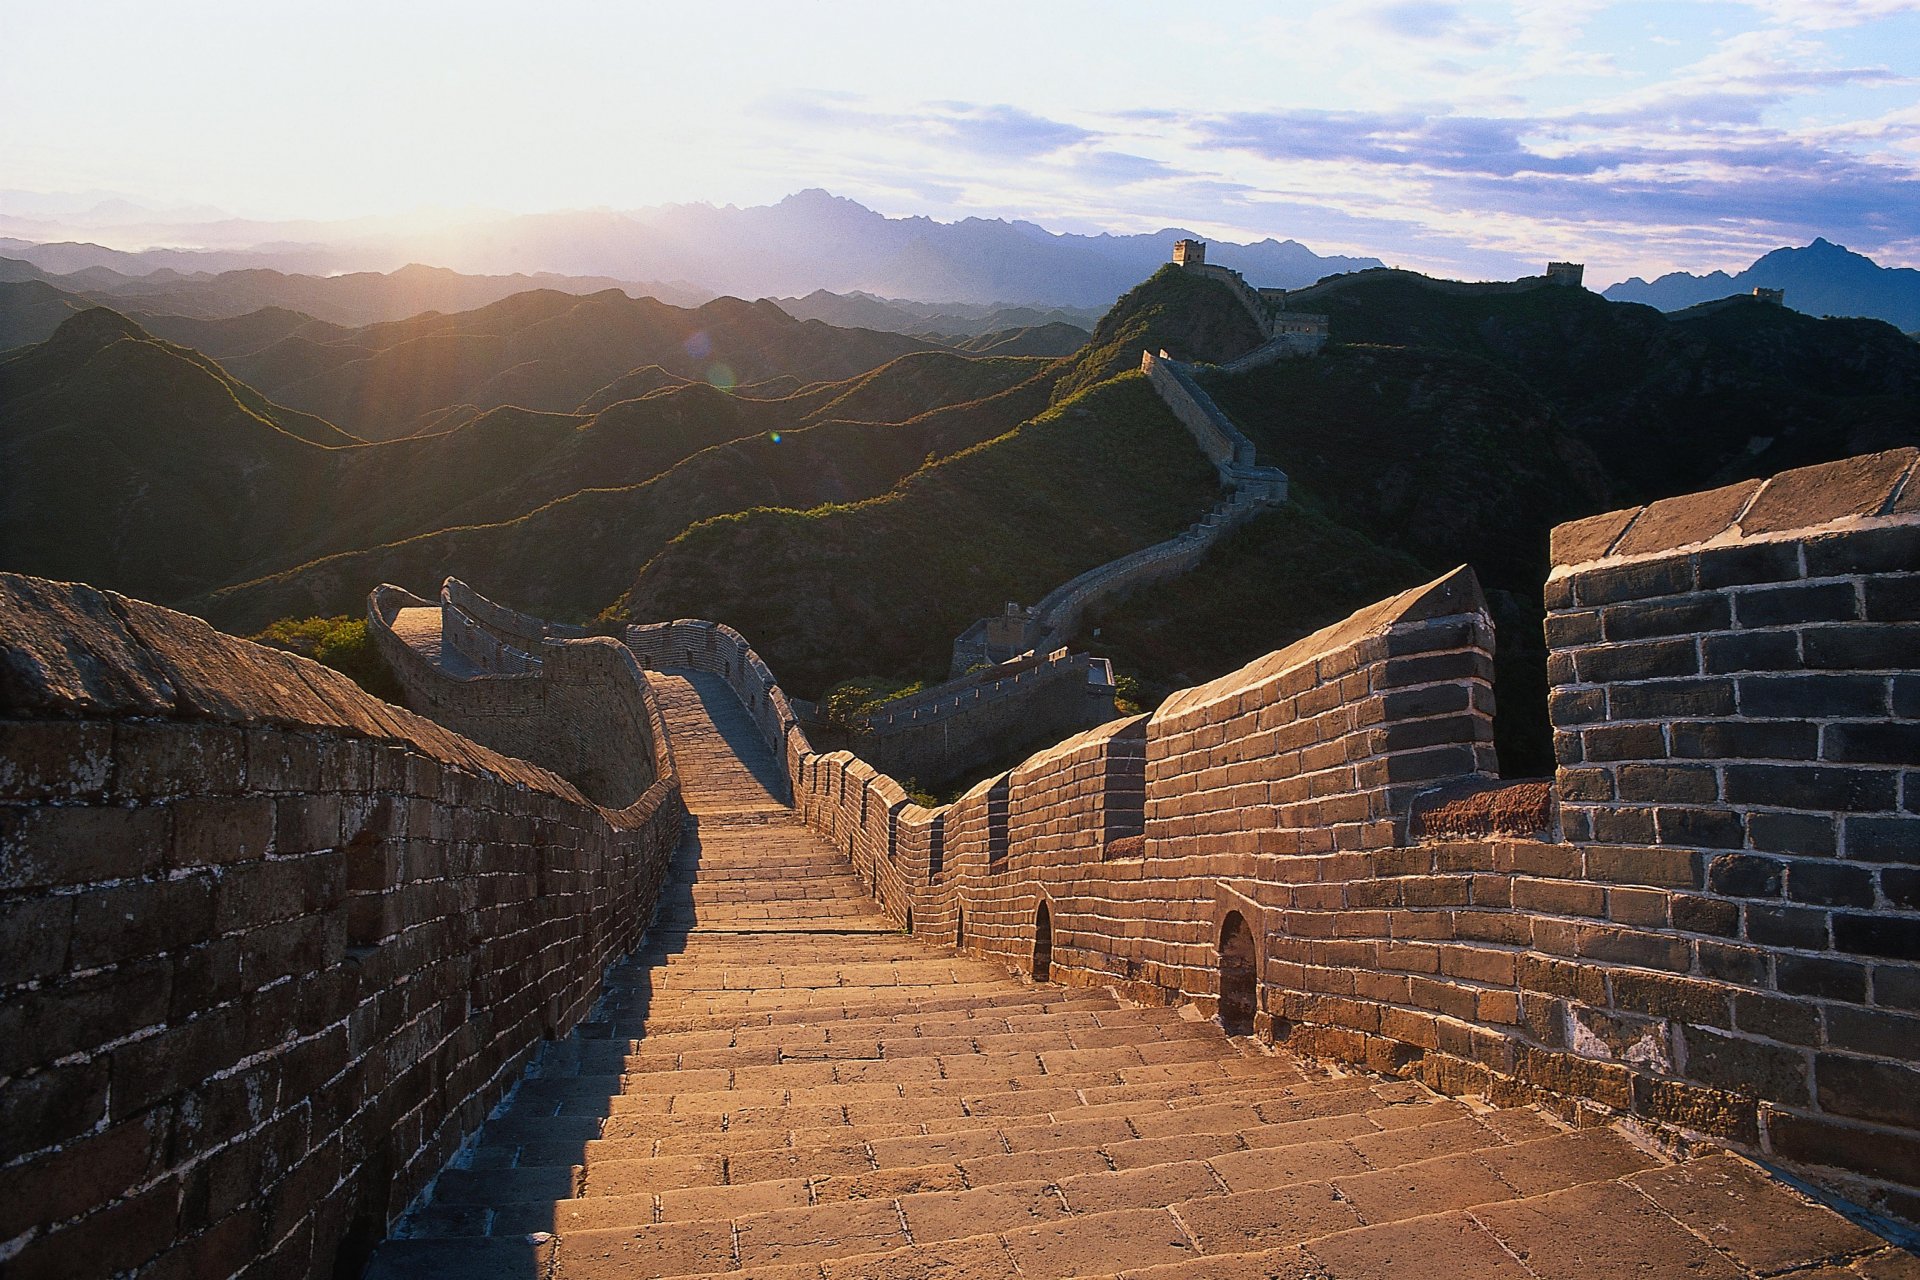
(1567, 274)
(1189, 253)
(1772, 297)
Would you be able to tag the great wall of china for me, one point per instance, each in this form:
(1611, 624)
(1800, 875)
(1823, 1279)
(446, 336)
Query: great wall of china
(591, 964)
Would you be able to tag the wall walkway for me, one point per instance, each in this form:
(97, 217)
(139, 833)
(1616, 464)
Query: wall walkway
(1714, 933)
(782, 1084)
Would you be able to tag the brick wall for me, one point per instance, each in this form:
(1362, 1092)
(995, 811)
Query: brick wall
(270, 949)
(1708, 925)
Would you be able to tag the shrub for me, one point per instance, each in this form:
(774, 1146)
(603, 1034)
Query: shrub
(341, 643)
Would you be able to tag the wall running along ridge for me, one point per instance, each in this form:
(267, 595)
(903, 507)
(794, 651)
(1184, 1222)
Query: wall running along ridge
(1708, 925)
(940, 733)
(270, 948)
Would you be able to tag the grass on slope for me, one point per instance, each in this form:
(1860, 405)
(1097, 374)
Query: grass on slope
(1189, 316)
(882, 587)
(1284, 575)
(1442, 456)
(1669, 404)
(570, 557)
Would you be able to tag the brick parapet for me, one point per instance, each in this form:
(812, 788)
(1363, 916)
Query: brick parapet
(273, 947)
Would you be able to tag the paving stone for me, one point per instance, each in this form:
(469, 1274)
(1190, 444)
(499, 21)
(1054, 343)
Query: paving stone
(1247, 1221)
(1757, 1221)
(1600, 1229)
(1099, 1243)
(1449, 1246)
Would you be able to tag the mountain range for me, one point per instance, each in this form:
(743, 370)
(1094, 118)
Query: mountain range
(807, 241)
(1821, 279)
(851, 497)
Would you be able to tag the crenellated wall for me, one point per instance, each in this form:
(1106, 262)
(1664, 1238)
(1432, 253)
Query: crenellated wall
(270, 949)
(1708, 924)
(943, 732)
(576, 706)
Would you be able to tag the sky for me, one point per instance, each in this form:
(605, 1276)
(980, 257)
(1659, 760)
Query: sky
(1462, 138)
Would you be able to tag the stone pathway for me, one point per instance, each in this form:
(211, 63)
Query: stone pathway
(779, 1085)
(419, 626)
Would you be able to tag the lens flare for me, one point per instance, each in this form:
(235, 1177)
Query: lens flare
(722, 376)
(698, 345)
(774, 436)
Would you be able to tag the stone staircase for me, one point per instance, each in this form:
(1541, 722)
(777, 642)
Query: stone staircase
(781, 1085)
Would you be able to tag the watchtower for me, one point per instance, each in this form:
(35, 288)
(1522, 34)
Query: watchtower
(1772, 297)
(1567, 274)
(1189, 253)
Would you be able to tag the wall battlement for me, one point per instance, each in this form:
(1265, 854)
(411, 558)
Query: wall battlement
(1708, 925)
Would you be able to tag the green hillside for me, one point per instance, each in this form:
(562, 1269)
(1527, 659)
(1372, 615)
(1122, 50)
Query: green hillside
(142, 465)
(883, 586)
(570, 557)
(550, 351)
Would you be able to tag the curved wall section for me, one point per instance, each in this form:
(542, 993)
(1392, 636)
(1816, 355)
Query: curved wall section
(576, 706)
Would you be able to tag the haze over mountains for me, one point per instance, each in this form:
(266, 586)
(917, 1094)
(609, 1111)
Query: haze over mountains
(810, 240)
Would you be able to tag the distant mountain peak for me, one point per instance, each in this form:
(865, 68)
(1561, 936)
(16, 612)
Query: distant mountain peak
(96, 327)
(1820, 278)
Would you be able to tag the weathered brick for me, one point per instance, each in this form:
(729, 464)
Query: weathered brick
(1804, 833)
(1750, 651)
(1820, 977)
(1671, 699)
(1624, 742)
(154, 761)
(1889, 742)
(1883, 839)
(1698, 828)
(1812, 697)
(1832, 884)
(1745, 740)
(1756, 1068)
(1868, 1090)
(1670, 784)
(1871, 647)
(1713, 916)
(1634, 582)
(1673, 616)
(1740, 875)
(1802, 602)
(1800, 927)
(43, 1108)
(139, 918)
(53, 760)
(211, 832)
(1818, 1140)
(62, 845)
(1818, 787)
(1872, 1031)
(1745, 565)
(1648, 660)
(1893, 550)
(1896, 937)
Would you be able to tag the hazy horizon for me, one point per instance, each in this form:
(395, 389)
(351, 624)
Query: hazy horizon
(1467, 139)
